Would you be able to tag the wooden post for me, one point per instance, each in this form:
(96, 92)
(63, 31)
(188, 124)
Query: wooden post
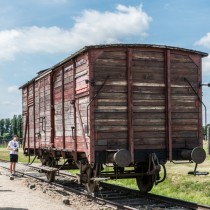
(130, 103)
(168, 103)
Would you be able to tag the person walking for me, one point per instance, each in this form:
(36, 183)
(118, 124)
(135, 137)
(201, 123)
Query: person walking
(13, 146)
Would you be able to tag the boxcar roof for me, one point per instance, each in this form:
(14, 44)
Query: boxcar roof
(86, 48)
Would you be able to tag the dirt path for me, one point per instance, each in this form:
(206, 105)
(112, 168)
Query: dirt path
(15, 194)
(24, 193)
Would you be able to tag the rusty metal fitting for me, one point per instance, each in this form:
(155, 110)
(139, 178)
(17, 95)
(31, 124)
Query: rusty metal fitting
(198, 155)
(122, 158)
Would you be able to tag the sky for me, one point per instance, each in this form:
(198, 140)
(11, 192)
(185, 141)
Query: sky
(36, 34)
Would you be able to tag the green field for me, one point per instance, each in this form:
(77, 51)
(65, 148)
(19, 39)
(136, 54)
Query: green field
(178, 183)
(4, 154)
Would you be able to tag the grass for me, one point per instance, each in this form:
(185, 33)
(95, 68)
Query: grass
(4, 154)
(178, 184)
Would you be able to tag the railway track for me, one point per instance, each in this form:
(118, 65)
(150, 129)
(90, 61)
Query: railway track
(108, 195)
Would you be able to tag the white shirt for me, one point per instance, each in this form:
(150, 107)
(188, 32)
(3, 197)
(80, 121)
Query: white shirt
(13, 145)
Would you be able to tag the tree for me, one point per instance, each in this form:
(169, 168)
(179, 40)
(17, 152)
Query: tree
(14, 125)
(7, 125)
(19, 126)
(2, 127)
(7, 136)
(10, 127)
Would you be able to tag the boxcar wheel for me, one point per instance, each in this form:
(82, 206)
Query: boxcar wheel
(91, 187)
(50, 176)
(145, 183)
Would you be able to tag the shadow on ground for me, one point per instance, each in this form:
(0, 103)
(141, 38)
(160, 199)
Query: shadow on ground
(10, 208)
(6, 191)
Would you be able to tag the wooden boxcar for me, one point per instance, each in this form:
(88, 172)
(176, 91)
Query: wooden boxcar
(133, 106)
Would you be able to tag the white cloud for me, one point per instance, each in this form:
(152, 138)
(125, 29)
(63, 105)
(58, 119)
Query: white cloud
(53, 1)
(13, 89)
(206, 65)
(204, 41)
(91, 27)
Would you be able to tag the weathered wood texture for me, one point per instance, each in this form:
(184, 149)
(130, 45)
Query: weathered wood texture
(57, 106)
(149, 83)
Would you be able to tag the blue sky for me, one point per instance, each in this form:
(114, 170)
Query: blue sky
(36, 34)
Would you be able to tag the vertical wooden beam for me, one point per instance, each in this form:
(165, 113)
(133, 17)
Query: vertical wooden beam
(44, 117)
(28, 131)
(168, 103)
(63, 110)
(40, 136)
(25, 117)
(200, 132)
(52, 110)
(34, 117)
(81, 124)
(74, 131)
(25, 131)
(91, 116)
(130, 103)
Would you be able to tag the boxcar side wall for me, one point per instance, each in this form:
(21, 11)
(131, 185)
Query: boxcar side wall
(71, 96)
(146, 105)
(107, 99)
(185, 107)
(55, 110)
(36, 114)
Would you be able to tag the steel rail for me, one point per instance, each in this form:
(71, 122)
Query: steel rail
(117, 193)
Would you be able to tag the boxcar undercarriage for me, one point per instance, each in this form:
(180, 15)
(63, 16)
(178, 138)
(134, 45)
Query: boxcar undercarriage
(118, 163)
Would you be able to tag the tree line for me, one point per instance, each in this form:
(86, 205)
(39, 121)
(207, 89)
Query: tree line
(10, 127)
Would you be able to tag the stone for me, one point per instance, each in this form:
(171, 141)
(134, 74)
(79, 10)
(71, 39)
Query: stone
(32, 186)
(66, 201)
(44, 190)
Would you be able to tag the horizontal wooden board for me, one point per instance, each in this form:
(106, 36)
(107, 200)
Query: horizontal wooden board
(148, 90)
(113, 89)
(103, 95)
(113, 102)
(149, 134)
(185, 134)
(149, 102)
(111, 135)
(148, 56)
(110, 122)
(148, 128)
(151, 147)
(149, 115)
(149, 122)
(111, 62)
(110, 128)
(187, 66)
(150, 141)
(149, 69)
(149, 109)
(184, 128)
(137, 96)
(110, 115)
(148, 77)
(185, 121)
(113, 54)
